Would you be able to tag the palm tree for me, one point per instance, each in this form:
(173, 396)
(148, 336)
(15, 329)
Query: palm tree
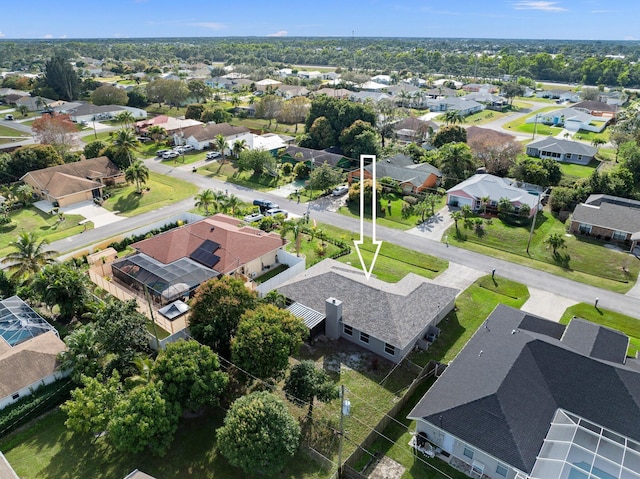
(125, 117)
(30, 255)
(220, 144)
(238, 147)
(25, 193)
(205, 199)
(556, 241)
(137, 173)
(597, 142)
(24, 110)
(232, 202)
(451, 117)
(456, 216)
(125, 141)
(485, 202)
(235, 101)
(456, 160)
(295, 226)
(145, 369)
(157, 133)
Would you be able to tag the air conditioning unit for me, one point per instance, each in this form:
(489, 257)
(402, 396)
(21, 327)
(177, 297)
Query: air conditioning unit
(252, 275)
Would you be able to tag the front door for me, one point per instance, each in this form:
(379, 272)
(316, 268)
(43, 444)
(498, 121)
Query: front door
(447, 443)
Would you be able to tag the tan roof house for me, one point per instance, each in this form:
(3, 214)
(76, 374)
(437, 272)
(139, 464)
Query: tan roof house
(72, 183)
(29, 348)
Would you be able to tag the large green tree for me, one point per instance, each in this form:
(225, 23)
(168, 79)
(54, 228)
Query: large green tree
(62, 79)
(320, 134)
(144, 420)
(340, 113)
(91, 406)
(259, 434)
(306, 382)
(216, 310)
(449, 134)
(109, 95)
(265, 339)
(257, 161)
(359, 138)
(32, 157)
(325, 177)
(94, 149)
(126, 144)
(63, 285)
(84, 354)
(190, 375)
(122, 332)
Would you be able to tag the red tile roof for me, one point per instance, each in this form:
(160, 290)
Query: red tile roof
(239, 244)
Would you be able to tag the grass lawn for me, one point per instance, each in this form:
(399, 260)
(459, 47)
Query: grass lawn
(261, 125)
(164, 190)
(311, 248)
(472, 308)
(585, 260)
(484, 116)
(49, 450)
(40, 224)
(393, 263)
(573, 171)
(390, 217)
(628, 325)
(591, 135)
(520, 125)
(394, 443)
(229, 172)
(8, 131)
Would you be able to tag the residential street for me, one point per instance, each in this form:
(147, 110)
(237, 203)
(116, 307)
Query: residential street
(538, 279)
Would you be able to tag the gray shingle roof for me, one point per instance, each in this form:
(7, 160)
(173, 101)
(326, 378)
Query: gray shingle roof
(502, 390)
(402, 168)
(596, 341)
(612, 212)
(391, 312)
(557, 145)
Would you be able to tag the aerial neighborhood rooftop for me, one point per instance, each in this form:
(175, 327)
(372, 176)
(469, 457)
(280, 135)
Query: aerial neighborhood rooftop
(319, 258)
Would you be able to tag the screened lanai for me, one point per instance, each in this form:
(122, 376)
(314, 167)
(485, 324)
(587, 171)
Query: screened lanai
(165, 282)
(18, 322)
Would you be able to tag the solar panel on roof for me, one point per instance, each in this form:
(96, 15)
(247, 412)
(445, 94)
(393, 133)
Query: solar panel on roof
(204, 254)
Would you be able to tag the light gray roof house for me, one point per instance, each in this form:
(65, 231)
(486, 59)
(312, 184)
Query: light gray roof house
(539, 399)
(395, 314)
(562, 150)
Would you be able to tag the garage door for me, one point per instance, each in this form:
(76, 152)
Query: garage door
(459, 200)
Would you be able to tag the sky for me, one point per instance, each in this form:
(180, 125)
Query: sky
(536, 19)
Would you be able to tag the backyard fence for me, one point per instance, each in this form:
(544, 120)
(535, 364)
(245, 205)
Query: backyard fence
(296, 266)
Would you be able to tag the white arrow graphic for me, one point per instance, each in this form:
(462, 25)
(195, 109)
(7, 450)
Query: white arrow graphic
(374, 203)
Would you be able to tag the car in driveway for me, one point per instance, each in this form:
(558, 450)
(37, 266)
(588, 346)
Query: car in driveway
(340, 190)
(253, 217)
(276, 211)
(161, 152)
(213, 155)
(187, 148)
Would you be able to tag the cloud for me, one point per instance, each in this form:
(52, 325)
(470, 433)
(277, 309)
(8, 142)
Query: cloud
(281, 33)
(2, 35)
(629, 37)
(48, 35)
(209, 25)
(63, 36)
(538, 5)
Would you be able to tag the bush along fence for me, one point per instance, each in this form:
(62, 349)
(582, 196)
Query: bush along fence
(122, 245)
(345, 248)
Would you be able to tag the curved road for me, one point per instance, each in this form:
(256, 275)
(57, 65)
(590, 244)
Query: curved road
(541, 280)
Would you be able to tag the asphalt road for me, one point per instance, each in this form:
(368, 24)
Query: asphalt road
(541, 280)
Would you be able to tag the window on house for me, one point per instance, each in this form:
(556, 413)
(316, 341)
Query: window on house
(347, 330)
(468, 452)
(389, 349)
(584, 228)
(364, 337)
(15, 396)
(619, 235)
(501, 470)
(568, 155)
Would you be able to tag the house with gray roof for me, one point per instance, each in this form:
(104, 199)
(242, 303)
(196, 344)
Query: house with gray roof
(491, 101)
(412, 177)
(609, 218)
(558, 149)
(528, 398)
(388, 319)
(472, 191)
(465, 107)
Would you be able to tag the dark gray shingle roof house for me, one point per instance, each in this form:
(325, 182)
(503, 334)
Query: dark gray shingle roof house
(517, 376)
(562, 150)
(396, 314)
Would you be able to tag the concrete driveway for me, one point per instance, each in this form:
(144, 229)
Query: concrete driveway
(435, 226)
(87, 209)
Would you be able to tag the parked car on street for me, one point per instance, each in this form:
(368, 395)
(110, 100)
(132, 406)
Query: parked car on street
(276, 211)
(161, 152)
(170, 154)
(340, 190)
(265, 204)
